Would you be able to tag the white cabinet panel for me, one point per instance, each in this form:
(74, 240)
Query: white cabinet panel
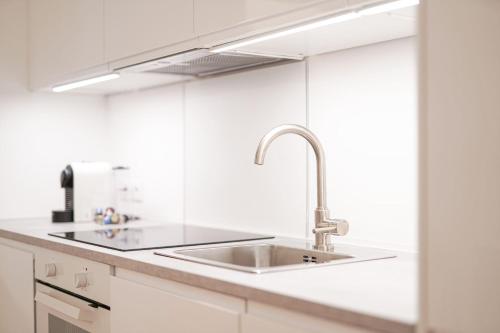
(65, 37)
(215, 15)
(265, 318)
(17, 312)
(250, 324)
(139, 308)
(460, 161)
(134, 26)
(225, 120)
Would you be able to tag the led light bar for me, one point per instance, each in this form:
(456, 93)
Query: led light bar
(86, 82)
(301, 28)
(387, 7)
(370, 10)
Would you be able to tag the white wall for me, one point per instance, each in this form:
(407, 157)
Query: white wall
(225, 119)
(362, 104)
(147, 135)
(39, 133)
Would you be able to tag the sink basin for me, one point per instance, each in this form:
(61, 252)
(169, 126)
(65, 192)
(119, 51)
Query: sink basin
(263, 257)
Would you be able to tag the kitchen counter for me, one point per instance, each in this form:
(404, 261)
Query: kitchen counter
(379, 295)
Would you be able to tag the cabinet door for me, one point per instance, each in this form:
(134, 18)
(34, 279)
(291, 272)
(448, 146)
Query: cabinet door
(65, 37)
(17, 312)
(215, 15)
(252, 324)
(139, 308)
(460, 161)
(135, 26)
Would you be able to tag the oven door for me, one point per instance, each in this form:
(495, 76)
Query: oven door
(60, 312)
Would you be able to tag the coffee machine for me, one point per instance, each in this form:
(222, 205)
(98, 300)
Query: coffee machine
(87, 187)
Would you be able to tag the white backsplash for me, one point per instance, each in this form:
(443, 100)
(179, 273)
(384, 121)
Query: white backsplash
(39, 135)
(361, 103)
(225, 119)
(147, 134)
(191, 145)
(363, 106)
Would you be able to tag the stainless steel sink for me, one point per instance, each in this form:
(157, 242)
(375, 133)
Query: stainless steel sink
(264, 257)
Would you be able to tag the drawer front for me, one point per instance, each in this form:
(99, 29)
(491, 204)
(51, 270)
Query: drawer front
(81, 276)
(250, 324)
(263, 318)
(139, 308)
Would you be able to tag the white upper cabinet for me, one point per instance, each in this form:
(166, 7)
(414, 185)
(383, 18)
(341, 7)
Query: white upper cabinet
(135, 26)
(215, 15)
(65, 37)
(71, 40)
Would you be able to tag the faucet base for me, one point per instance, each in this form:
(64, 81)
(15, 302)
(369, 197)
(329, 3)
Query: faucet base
(325, 227)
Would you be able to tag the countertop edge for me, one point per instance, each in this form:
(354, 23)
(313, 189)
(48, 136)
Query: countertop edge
(290, 303)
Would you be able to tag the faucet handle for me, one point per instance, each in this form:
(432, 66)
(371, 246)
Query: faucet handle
(335, 227)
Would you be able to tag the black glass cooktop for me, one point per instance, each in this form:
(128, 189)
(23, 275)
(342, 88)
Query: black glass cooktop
(156, 237)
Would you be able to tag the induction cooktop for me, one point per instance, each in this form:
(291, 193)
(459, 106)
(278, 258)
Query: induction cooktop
(157, 237)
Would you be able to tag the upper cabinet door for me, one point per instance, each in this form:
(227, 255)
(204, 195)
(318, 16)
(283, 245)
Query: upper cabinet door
(135, 26)
(216, 15)
(65, 37)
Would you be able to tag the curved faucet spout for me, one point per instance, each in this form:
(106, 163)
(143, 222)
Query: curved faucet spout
(316, 145)
(324, 225)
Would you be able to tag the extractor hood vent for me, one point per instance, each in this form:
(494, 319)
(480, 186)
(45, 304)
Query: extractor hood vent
(202, 62)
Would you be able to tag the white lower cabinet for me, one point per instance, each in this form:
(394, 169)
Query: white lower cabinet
(137, 307)
(263, 318)
(254, 324)
(17, 309)
(251, 324)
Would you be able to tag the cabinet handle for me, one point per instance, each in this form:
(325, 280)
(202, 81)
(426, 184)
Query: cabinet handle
(65, 308)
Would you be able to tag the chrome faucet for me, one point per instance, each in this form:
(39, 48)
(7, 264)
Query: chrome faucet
(324, 225)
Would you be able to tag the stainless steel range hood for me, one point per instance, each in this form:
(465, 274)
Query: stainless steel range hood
(202, 62)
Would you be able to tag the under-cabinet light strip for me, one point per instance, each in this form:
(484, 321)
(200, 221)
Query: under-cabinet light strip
(370, 10)
(86, 82)
(301, 28)
(387, 7)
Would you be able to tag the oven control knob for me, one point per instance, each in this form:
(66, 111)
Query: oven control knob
(81, 280)
(50, 270)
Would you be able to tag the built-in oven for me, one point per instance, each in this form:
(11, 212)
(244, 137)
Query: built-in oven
(72, 294)
(58, 311)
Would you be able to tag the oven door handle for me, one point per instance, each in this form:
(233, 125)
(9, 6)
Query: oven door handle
(64, 308)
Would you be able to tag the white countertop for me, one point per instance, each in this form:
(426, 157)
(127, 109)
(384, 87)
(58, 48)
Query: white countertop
(380, 290)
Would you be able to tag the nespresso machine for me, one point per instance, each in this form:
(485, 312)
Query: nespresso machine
(87, 187)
